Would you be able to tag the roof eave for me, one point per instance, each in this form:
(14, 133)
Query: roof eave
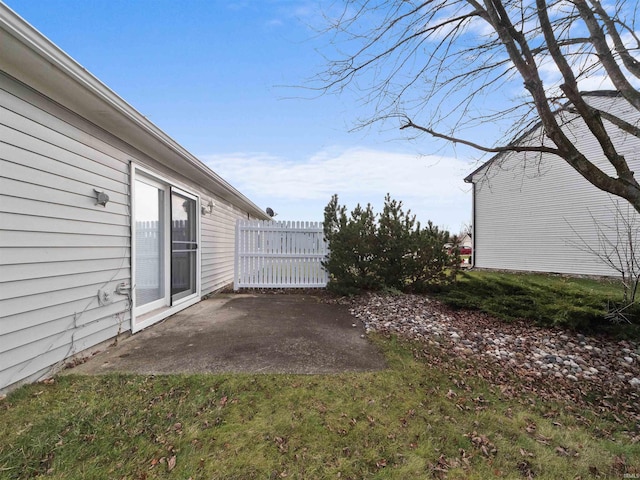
(30, 57)
(469, 178)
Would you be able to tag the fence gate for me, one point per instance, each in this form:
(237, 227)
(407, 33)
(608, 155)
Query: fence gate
(279, 255)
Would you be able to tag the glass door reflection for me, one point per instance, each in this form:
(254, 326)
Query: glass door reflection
(184, 246)
(149, 256)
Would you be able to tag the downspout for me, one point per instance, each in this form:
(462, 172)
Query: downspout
(473, 225)
(469, 179)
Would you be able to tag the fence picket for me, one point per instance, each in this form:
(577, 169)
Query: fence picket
(280, 255)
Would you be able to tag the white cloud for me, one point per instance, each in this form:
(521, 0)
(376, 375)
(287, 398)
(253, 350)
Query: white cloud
(431, 186)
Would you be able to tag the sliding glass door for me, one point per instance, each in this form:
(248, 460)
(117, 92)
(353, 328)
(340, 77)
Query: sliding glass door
(165, 253)
(150, 244)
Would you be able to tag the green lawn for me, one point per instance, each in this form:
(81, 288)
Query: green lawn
(550, 300)
(426, 416)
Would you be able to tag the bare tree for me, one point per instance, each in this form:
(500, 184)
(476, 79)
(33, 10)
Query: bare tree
(435, 64)
(616, 245)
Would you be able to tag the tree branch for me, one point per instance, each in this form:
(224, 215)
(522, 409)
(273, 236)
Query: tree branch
(431, 58)
(508, 148)
(617, 121)
(605, 56)
(627, 59)
(570, 88)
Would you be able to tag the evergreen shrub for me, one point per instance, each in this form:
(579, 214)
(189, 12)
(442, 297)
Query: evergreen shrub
(390, 251)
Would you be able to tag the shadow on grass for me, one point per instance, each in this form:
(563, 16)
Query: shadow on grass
(546, 300)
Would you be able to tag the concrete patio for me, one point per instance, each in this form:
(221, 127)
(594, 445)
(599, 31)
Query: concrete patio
(254, 333)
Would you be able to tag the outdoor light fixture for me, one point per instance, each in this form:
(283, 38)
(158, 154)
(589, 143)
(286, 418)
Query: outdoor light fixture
(207, 209)
(101, 198)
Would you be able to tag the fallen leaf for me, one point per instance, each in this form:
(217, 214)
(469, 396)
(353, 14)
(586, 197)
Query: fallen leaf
(525, 453)
(619, 464)
(542, 439)
(525, 469)
(562, 451)
(171, 463)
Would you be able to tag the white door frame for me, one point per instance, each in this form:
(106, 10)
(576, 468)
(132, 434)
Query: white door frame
(155, 311)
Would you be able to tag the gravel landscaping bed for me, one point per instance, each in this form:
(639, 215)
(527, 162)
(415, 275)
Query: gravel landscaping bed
(566, 363)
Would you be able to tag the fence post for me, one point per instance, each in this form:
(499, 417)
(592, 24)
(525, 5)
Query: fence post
(236, 260)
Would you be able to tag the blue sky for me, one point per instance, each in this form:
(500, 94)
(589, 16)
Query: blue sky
(223, 79)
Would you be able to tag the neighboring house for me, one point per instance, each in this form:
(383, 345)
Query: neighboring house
(534, 212)
(78, 268)
(466, 241)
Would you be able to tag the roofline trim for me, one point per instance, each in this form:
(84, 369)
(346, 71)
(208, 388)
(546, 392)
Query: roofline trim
(594, 93)
(50, 53)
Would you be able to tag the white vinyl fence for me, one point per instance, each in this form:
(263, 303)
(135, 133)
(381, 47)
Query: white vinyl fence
(279, 255)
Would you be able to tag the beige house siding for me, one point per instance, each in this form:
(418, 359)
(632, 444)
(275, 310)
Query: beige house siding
(536, 213)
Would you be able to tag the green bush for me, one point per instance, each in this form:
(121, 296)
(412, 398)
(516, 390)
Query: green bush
(393, 253)
(352, 248)
(546, 300)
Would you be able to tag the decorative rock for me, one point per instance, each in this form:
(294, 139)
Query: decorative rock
(529, 351)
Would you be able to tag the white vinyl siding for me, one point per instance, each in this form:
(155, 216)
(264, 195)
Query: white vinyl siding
(537, 215)
(57, 247)
(218, 245)
(217, 231)
(63, 136)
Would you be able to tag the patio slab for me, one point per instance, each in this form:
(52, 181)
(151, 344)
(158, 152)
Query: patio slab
(262, 333)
